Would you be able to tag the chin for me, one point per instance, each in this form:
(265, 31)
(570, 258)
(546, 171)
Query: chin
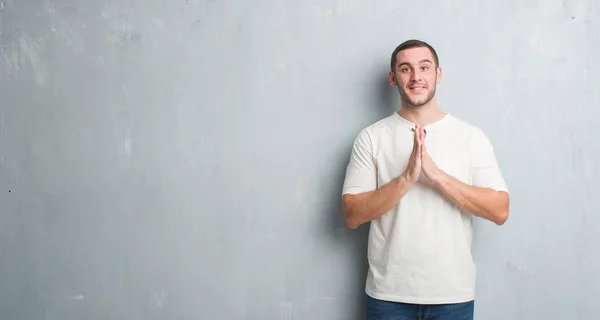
(420, 101)
(416, 103)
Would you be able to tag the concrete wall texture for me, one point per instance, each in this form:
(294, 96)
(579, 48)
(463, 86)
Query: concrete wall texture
(184, 159)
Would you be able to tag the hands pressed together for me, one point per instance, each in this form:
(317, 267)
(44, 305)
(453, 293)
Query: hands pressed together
(420, 161)
(483, 202)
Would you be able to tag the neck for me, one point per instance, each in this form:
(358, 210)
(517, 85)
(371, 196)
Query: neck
(423, 115)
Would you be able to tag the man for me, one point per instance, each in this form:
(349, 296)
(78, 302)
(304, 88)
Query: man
(419, 176)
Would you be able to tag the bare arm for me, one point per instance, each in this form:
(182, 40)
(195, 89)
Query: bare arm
(483, 202)
(366, 206)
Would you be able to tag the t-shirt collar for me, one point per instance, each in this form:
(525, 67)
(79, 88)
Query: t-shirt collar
(430, 127)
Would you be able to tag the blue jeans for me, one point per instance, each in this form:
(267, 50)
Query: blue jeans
(387, 310)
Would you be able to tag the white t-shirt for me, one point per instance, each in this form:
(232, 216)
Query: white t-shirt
(420, 251)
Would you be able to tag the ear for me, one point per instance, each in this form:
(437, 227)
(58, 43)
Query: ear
(392, 79)
(439, 74)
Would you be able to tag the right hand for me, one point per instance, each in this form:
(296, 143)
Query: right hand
(413, 169)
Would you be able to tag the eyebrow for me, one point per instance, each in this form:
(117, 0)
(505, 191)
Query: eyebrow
(424, 60)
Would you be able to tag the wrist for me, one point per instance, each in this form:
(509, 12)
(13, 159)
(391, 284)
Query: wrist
(404, 180)
(438, 178)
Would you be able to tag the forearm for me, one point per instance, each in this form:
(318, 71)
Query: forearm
(364, 207)
(483, 202)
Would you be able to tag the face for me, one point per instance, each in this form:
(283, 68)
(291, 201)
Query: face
(415, 76)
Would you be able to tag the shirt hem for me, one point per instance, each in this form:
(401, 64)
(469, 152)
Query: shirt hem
(418, 300)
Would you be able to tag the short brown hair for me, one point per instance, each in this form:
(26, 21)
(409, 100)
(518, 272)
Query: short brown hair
(413, 43)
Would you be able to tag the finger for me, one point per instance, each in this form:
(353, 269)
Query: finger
(424, 151)
(416, 138)
(417, 129)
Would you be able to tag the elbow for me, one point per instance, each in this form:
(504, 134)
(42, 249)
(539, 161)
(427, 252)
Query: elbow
(501, 218)
(350, 221)
(353, 225)
(503, 211)
(349, 217)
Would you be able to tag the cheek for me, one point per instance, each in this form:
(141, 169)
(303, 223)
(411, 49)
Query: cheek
(403, 82)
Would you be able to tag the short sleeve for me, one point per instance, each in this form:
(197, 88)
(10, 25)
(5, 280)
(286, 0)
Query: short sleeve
(361, 171)
(486, 172)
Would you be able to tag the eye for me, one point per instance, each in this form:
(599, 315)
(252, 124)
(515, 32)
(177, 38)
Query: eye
(424, 68)
(405, 69)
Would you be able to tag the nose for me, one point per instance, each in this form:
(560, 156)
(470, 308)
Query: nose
(415, 75)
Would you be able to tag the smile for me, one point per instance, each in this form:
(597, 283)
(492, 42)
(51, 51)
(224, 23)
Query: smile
(417, 88)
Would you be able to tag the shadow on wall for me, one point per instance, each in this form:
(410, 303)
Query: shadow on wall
(385, 94)
(352, 242)
(355, 241)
